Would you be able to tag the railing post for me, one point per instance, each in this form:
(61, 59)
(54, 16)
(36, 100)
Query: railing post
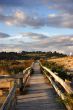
(32, 71)
(21, 84)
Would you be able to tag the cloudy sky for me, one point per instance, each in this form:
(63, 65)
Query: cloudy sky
(33, 25)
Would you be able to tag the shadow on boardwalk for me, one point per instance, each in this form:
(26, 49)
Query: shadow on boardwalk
(40, 95)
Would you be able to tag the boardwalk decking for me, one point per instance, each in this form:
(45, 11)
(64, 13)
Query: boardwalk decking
(40, 95)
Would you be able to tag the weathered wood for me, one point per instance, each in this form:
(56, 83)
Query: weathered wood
(40, 95)
(10, 103)
(61, 95)
(24, 71)
(10, 100)
(10, 77)
(59, 80)
(17, 76)
(21, 84)
(53, 78)
(23, 81)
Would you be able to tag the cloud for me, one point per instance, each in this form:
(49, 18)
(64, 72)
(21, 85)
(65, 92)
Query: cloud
(61, 5)
(44, 43)
(62, 16)
(49, 13)
(4, 35)
(61, 20)
(20, 18)
(34, 36)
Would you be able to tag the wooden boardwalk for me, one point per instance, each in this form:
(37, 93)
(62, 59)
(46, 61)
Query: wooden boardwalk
(40, 94)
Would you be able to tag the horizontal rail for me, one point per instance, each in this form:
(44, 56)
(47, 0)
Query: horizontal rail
(17, 76)
(58, 91)
(10, 101)
(67, 88)
(59, 80)
(24, 71)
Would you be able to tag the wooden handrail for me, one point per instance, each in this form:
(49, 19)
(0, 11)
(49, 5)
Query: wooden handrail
(24, 71)
(17, 76)
(23, 80)
(67, 88)
(10, 100)
(58, 79)
(58, 91)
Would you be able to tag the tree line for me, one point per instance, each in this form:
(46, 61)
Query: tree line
(24, 55)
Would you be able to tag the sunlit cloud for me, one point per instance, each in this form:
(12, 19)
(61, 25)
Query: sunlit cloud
(39, 42)
(31, 21)
(34, 36)
(19, 18)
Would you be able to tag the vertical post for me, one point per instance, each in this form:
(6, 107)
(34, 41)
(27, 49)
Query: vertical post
(14, 98)
(32, 71)
(21, 84)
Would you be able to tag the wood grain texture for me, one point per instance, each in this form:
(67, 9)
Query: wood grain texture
(40, 95)
(59, 80)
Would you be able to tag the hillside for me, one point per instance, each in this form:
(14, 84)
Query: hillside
(66, 62)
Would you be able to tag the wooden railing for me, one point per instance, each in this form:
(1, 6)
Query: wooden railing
(20, 82)
(23, 78)
(10, 101)
(60, 86)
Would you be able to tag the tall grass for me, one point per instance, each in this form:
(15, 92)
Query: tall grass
(13, 66)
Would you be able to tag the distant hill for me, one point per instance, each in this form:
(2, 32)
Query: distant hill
(29, 55)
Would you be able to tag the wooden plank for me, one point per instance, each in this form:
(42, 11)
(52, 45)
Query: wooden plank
(62, 95)
(40, 95)
(10, 101)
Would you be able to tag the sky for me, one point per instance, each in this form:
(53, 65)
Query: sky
(36, 25)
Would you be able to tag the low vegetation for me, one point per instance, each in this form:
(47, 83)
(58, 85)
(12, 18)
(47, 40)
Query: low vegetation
(13, 66)
(59, 70)
(60, 66)
(9, 67)
(66, 62)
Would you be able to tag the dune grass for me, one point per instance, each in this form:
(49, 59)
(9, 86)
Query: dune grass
(13, 66)
(9, 67)
(66, 62)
